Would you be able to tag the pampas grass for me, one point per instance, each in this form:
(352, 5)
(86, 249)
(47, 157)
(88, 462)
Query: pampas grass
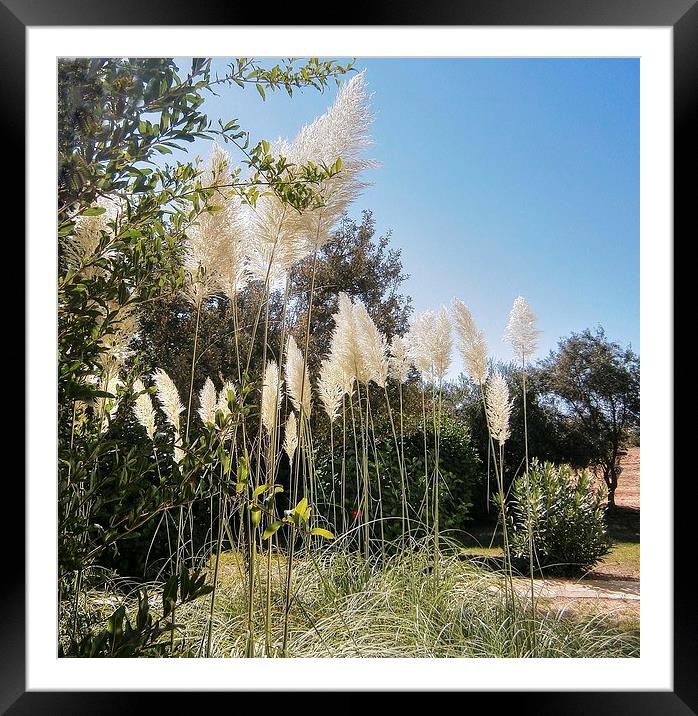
(399, 361)
(331, 387)
(430, 344)
(298, 378)
(291, 436)
(521, 331)
(271, 396)
(168, 396)
(523, 334)
(143, 408)
(471, 342)
(372, 345)
(499, 407)
(207, 403)
(343, 599)
(92, 238)
(216, 244)
(343, 132)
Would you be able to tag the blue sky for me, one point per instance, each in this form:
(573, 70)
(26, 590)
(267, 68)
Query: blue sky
(498, 177)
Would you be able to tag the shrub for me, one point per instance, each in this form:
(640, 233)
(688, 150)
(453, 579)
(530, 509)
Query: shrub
(460, 467)
(564, 514)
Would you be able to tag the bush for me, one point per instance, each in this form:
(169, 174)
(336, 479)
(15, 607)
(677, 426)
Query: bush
(460, 467)
(564, 513)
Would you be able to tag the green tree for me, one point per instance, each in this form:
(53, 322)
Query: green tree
(595, 383)
(355, 262)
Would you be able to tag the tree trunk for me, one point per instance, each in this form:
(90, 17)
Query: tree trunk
(611, 480)
(611, 507)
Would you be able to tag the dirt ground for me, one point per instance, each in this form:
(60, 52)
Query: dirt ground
(628, 492)
(614, 585)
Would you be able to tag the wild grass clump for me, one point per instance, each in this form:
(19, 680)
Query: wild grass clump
(348, 607)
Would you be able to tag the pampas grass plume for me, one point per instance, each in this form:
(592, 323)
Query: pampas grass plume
(521, 331)
(168, 396)
(143, 408)
(291, 436)
(297, 378)
(498, 406)
(471, 342)
(207, 403)
(271, 396)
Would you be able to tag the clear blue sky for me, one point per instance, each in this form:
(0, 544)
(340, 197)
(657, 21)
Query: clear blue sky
(498, 178)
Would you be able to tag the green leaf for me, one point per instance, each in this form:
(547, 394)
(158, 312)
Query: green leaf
(322, 533)
(271, 529)
(94, 211)
(301, 507)
(260, 89)
(242, 470)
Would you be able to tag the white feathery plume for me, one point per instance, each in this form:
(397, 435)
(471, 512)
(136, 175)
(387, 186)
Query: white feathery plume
(498, 406)
(167, 394)
(418, 343)
(342, 132)
(429, 344)
(471, 342)
(344, 347)
(222, 402)
(331, 386)
(297, 378)
(232, 270)
(521, 331)
(89, 233)
(443, 343)
(143, 408)
(118, 339)
(399, 362)
(291, 436)
(372, 345)
(275, 229)
(216, 243)
(282, 236)
(270, 262)
(271, 396)
(207, 403)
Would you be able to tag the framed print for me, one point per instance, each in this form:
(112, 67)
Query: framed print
(357, 408)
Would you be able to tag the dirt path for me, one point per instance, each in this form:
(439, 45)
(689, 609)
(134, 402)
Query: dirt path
(616, 598)
(623, 589)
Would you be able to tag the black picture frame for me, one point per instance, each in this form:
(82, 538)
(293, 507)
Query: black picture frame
(681, 15)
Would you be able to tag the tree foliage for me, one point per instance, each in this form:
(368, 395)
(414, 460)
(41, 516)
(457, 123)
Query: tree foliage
(357, 263)
(595, 384)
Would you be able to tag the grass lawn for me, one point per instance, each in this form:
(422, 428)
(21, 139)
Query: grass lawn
(623, 561)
